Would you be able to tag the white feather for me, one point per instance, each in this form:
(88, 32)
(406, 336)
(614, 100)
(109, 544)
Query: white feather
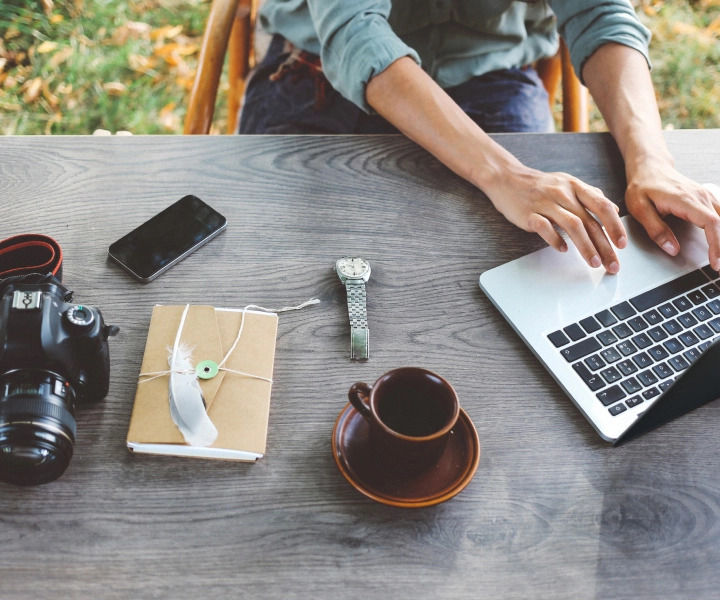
(187, 406)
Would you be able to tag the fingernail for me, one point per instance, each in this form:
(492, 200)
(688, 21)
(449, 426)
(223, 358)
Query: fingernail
(669, 247)
(716, 265)
(622, 241)
(595, 261)
(613, 267)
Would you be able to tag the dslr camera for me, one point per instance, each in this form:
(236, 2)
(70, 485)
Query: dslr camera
(53, 357)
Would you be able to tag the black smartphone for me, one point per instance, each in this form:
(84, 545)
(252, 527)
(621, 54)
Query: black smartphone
(167, 238)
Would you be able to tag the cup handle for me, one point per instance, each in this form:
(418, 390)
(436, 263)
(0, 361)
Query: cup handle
(359, 396)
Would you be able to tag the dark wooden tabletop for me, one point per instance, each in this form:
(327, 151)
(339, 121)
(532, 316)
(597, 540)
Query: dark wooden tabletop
(552, 512)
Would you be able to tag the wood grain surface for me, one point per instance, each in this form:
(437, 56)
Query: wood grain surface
(553, 512)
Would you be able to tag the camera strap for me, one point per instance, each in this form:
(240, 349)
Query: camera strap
(30, 253)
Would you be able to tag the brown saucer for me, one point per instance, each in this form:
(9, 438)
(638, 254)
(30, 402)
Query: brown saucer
(447, 478)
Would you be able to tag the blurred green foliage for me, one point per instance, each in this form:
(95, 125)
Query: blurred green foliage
(73, 66)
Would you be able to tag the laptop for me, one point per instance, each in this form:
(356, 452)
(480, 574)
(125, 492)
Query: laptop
(631, 350)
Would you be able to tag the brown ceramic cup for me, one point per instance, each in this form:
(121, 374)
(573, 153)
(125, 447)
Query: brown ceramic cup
(410, 412)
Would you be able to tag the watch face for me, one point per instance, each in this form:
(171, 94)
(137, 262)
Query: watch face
(353, 267)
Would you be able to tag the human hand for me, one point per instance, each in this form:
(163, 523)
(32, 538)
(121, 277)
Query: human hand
(656, 190)
(539, 202)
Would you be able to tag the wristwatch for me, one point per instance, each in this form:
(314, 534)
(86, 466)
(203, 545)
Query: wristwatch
(354, 272)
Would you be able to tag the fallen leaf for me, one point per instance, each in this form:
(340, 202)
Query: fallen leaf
(31, 90)
(12, 32)
(56, 18)
(46, 47)
(141, 64)
(131, 30)
(114, 88)
(51, 98)
(60, 57)
(47, 6)
(167, 32)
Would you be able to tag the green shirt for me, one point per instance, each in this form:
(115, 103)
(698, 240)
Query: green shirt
(453, 40)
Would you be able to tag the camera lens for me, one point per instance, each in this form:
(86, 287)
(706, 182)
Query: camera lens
(37, 426)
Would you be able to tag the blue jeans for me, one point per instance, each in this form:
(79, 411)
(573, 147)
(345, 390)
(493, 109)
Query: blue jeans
(288, 93)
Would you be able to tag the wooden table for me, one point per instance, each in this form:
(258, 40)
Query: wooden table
(553, 511)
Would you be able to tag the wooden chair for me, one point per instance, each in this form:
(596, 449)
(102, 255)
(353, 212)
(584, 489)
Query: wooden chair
(229, 30)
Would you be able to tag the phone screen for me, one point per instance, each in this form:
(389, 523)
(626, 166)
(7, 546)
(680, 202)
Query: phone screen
(167, 238)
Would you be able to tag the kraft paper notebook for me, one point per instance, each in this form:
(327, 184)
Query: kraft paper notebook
(237, 399)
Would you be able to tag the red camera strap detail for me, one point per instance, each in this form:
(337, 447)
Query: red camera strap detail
(30, 253)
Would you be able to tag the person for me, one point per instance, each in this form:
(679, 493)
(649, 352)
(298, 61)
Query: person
(447, 72)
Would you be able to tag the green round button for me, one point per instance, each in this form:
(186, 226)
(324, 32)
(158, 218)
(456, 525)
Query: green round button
(207, 369)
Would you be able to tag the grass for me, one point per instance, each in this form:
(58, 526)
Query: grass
(73, 66)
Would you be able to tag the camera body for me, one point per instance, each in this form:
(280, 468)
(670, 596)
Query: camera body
(53, 356)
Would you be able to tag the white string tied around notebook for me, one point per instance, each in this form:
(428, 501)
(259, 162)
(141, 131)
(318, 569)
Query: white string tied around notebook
(187, 405)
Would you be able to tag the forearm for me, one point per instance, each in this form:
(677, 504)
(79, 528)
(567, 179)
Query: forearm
(409, 99)
(619, 80)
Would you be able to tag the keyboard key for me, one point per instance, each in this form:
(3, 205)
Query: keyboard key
(682, 303)
(714, 305)
(692, 355)
(697, 297)
(581, 349)
(626, 348)
(611, 374)
(710, 272)
(622, 330)
(607, 318)
(672, 327)
(623, 310)
(610, 355)
(574, 332)
(687, 320)
(558, 338)
(611, 395)
(702, 313)
(703, 332)
(704, 346)
(651, 393)
(667, 310)
(590, 325)
(617, 409)
(642, 360)
(642, 340)
(678, 363)
(634, 401)
(663, 371)
(657, 333)
(658, 353)
(711, 291)
(673, 346)
(631, 385)
(637, 323)
(594, 382)
(687, 338)
(653, 317)
(594, 362)
(607, 337)
(647, 378)
(666, 384)
(626, 367)
(668, 291)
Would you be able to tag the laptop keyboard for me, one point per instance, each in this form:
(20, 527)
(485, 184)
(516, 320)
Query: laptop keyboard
(633, 351)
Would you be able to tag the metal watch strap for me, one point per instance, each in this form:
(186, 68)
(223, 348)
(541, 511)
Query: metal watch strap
(357, 311)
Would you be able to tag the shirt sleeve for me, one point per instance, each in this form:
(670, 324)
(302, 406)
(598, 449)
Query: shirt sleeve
(587, 25)
(356, 43)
